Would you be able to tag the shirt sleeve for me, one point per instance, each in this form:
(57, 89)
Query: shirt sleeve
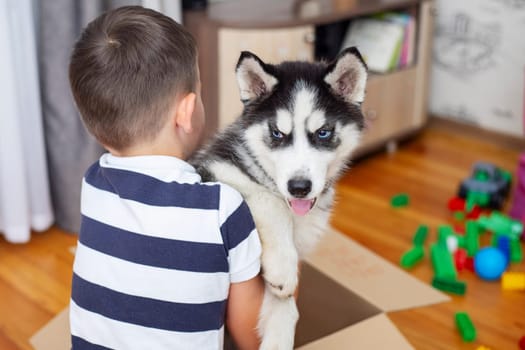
(239, 236)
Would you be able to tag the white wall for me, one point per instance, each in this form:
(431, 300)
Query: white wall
(478, 69)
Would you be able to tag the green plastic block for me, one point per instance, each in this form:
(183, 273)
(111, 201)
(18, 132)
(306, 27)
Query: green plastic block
(412, 257)
(465, 326)
(421, 235)
(459, 215)
(442, 262)
(443, 232)
(461, 241)
(506, 175)
(501, 224)
(516, 253)
(481, 176)
(400, 200)
(476, 198)
(472, 238)
(495, 238)
(449, 285)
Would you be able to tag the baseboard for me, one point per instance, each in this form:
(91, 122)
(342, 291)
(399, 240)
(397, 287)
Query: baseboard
(473, 131)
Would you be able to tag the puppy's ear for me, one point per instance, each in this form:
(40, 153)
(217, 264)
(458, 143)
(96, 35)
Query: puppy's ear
(253, 78)
(347, 74)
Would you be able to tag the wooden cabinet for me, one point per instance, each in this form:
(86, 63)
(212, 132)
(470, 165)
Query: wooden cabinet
(272, 45)
(396, 103)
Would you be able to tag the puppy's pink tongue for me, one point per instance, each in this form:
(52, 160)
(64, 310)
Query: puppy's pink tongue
(301, 206)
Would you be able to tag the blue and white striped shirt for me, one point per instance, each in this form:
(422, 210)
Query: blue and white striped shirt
(156, 254)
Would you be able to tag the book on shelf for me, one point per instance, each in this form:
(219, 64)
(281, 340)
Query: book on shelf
(386, 40)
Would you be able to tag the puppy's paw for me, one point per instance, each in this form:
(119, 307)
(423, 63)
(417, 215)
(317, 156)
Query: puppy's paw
(279, 318)
(277, 343)
(281, 279)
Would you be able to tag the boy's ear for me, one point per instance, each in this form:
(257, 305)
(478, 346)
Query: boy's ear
(347, 75)
(185, 108)
(253, 77)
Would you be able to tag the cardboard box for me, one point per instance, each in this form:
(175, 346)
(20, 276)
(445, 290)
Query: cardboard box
(345, 294)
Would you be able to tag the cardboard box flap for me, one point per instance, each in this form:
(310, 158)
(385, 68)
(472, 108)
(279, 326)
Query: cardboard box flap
(54, 335)
(377, 332)
(370, 276)
(326, 306)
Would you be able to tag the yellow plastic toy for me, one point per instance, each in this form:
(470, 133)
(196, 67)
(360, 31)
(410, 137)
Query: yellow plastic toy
(513, 281)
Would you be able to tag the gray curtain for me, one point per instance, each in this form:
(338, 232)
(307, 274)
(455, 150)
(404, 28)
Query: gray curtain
(70, 150)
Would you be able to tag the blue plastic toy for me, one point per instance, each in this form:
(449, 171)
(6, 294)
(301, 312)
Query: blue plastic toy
(490, 263)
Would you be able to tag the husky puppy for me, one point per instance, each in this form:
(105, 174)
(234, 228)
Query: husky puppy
(300, 123)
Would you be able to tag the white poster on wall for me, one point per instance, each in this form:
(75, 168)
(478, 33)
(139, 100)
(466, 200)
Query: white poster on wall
(478, 69)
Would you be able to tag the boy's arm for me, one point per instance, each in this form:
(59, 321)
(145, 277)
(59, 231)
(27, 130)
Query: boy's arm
(242, 313)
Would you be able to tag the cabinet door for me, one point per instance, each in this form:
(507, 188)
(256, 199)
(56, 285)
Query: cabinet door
(270, 45)
(396, 103)
(389, 103)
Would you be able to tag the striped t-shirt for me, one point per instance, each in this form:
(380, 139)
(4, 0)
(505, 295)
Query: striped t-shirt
(156, 254)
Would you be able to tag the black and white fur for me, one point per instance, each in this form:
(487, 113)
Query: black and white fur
(300, 123)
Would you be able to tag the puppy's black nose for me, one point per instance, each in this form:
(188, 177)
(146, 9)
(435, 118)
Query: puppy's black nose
(299, 188)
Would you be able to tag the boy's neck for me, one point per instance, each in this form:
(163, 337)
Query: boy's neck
(149, 150)
(166, 143)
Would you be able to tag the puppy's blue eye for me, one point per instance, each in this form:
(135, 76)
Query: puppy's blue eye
(276, 134)
(324, 134)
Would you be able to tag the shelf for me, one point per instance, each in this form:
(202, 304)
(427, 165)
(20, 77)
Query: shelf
(279, 30)
(288, 13)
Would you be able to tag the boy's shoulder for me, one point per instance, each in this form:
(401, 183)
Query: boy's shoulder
(231, 201)
(228, 192)
(92, 168)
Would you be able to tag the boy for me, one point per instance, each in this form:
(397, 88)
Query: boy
(163, 261)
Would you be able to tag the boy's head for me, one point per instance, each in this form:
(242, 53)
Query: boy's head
(128, 70)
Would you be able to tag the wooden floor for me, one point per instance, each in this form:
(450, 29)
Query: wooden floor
(35, 277)
(429, 168)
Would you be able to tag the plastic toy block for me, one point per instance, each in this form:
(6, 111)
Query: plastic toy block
(469, 264)
(442, 262)
(456, 204)
(459, 216)
(417, 252)
(515, 250)
(459, 228)
(460, 259)
(412, 257)
(461, 241)
(516, 253)
(503, 244)
(476, 198)
(513, 281)
(465, 326)
(443, 232)
(494, 240)
(449, 285)
(472, 238)
(522, 343)
(475, 213)
(488, 185)
(501, 224)
(421, 235)
(400, 200)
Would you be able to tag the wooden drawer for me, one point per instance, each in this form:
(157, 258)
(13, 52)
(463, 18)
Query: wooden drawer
(389, 105)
